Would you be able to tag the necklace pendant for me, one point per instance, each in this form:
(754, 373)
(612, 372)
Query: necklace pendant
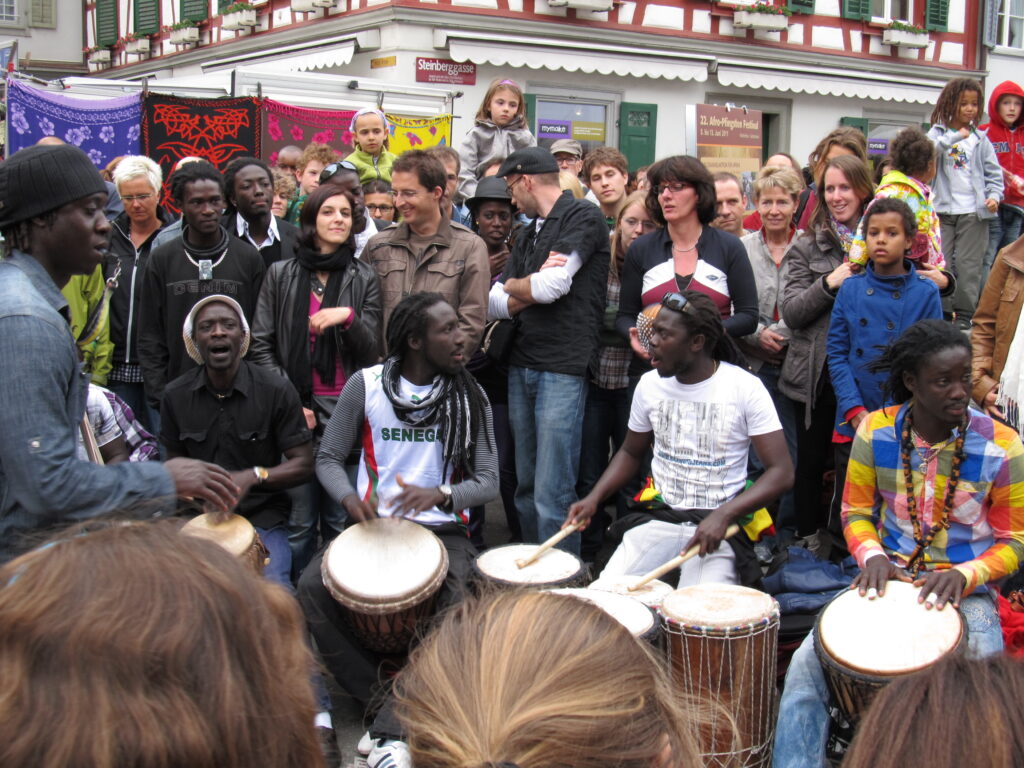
(205, 269)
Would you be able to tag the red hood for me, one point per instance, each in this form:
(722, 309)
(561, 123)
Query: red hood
(1007, 88)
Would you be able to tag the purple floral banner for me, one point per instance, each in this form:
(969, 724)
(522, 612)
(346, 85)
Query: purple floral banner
(103, 128)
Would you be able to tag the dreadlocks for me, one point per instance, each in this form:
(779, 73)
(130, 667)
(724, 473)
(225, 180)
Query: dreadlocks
(945, 111)
(456, 403)
(701, 316)
(905, 355)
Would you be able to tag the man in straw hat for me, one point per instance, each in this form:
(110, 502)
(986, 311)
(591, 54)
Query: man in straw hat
(53, 225)
(242, 417)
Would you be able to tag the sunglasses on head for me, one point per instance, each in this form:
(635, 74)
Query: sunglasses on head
(333, 168)
(675, 301)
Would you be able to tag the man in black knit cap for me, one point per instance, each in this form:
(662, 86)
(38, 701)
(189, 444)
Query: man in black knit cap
(204, 262)
(53, 225)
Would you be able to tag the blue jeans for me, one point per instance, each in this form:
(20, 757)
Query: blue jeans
(546, 411)
(1002, 230)
(769, 375)
(803, 711)
(279, 569)
(314, 511)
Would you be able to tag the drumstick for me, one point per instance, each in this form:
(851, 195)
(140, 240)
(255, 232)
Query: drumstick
(676, 561)
(522, 563)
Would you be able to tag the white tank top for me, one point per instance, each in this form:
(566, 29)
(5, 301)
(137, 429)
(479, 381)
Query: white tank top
(392, 447)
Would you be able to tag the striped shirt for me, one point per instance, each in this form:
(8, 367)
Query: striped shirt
(985, 540)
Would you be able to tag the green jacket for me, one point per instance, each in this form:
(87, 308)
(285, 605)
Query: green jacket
(84, 293)
(371, 168)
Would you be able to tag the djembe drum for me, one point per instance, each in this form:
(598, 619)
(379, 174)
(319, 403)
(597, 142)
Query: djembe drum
(386, 574)
(554, 568)
(722, 641)
(234, 533)
(863, 644)
(650, 594)
(641, 620)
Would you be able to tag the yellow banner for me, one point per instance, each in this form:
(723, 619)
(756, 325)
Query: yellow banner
(418, 132)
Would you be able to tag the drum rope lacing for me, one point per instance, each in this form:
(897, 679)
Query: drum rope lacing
(916, 561)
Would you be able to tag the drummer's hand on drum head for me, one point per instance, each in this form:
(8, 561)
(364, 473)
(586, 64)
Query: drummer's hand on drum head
(581, 512)
(202, 480)
(941, 587)
(709, 533)
(358, 509)
(878, 570)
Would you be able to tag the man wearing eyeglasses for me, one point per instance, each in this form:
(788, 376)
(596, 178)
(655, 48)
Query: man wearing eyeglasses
(427, 251)
(555, 284)
(345, 176)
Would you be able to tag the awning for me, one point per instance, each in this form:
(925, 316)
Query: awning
(873, 86)
(300, 57)
(571, 56)
(337, 56)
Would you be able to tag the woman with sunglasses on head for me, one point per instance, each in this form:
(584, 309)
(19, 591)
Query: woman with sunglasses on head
(344, 176)
(687, 254)
(316, 322)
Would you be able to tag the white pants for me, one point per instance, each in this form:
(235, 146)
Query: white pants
(649, 545)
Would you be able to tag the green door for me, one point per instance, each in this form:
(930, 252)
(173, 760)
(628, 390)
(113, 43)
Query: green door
(637, 133)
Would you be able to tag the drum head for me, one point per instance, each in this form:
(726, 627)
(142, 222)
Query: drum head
(235, 534)
(719, 606)
(553, 567)
(629, 612)
(890, 635)
(384, 565)
(650, 594)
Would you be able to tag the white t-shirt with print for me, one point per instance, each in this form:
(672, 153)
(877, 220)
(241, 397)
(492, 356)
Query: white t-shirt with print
(702, 433)
(961, 185)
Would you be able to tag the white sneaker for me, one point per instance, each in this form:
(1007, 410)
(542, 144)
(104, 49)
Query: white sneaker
(388, 753)
(366, 743)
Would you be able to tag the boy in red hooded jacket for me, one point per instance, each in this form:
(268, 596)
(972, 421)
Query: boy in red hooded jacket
(1005, 130)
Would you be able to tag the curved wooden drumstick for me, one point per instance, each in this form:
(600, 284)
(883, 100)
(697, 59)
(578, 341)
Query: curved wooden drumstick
(522, 563)
(676, 561)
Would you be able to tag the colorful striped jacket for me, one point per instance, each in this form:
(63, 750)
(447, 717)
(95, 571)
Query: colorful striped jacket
(985, 540)
(927, 245)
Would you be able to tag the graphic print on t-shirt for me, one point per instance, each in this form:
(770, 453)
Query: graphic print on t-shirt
(690, 455)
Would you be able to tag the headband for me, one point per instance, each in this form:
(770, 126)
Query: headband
(367, 111)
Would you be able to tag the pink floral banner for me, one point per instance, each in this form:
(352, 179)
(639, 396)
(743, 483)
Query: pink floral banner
(284, 124)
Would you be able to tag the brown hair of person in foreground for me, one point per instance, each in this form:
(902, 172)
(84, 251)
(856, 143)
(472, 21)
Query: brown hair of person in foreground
(133, 645)
(539, 680)
(959, 712)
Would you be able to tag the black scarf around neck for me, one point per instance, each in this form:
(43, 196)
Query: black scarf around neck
(325, 349)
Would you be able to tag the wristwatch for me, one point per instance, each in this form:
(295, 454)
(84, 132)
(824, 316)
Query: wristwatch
(446, 504)
(261, 474)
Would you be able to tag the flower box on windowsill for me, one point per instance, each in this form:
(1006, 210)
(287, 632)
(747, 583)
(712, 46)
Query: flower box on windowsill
(905, 39)
(185, 35)
(239, 20)
(101, 56)
(138, 47)
(753, 20)
(305, 6)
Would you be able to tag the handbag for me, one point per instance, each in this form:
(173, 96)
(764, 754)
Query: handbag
(497, 340)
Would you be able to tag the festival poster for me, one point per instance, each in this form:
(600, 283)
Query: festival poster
(218, 130)
(729, 138)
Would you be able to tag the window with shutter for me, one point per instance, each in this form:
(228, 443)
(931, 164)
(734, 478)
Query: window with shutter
(147, 17)
(43, 13)
(936, 15)
(801, 6)
(856, 9)
(195, 10)
(106, 22)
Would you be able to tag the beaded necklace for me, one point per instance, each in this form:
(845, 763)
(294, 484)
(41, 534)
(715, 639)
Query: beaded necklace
(916, 561)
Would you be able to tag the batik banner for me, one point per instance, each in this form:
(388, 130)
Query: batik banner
(103, 128)
(218, 130)
(419, 132)
(284, 124)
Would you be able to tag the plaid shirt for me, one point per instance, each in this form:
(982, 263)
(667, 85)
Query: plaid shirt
(985, 540)
(142, 446)
(612, 361)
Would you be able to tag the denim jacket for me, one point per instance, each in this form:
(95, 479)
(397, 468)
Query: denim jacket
(42, 392)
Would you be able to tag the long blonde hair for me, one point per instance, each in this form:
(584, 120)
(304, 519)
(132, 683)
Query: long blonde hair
(539, 680)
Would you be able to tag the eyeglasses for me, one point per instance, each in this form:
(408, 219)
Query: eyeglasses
(381, 208)
(675, 301)
(408, 194)
(511, 184)
(333, 168)
(672, 186)
(140, 198)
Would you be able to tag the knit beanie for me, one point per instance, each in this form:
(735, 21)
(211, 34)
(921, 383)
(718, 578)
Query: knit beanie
(188, 334)
(40, 179)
